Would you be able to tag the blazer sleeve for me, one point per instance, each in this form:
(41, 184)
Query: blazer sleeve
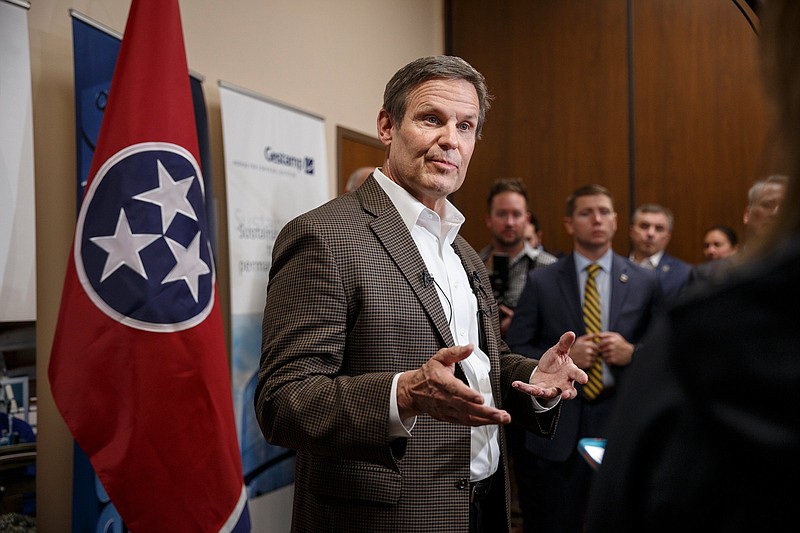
(520, 405)
(303, 400)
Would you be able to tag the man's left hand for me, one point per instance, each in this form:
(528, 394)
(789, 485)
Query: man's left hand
(556, 374)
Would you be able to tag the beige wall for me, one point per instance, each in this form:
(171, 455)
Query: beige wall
(331, 58)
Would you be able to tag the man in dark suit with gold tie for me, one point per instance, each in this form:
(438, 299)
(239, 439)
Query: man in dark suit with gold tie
(382, 361)
(608, 302)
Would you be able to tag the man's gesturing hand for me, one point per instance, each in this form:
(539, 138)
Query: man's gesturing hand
(556, 374)
(434, 389)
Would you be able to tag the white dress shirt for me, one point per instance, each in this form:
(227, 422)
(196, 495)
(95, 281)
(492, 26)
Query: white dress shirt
(434, 238)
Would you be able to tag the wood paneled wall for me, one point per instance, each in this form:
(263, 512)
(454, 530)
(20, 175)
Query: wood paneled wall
(658, 100)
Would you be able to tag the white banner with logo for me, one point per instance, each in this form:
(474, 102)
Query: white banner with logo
(275, 169)
(17, 202)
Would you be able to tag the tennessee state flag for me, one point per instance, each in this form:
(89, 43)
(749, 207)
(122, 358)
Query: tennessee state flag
(139, 366)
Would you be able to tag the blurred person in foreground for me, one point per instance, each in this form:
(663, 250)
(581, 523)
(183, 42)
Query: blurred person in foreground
(382, 363)
(650, 232)
(708, 429)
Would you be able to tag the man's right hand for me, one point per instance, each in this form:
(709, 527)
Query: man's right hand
(435, 390)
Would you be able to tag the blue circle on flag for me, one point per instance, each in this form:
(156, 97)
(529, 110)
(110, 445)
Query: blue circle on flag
(142, 248)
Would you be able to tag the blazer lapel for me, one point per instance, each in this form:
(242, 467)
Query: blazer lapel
(486, 312)
(480, 288)
(391, 231)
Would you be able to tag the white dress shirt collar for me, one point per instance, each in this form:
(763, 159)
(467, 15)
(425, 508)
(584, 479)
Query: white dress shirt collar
(413, 211)
(649, 262)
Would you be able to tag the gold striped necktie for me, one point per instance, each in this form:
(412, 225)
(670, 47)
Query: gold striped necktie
(591, 318)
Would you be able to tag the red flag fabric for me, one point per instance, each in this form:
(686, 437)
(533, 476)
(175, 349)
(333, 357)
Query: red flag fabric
(139, 366)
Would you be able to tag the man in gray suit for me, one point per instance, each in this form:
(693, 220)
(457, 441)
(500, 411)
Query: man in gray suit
(552, 477)
(382, 362)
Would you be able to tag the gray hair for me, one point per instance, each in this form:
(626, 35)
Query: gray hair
(395, 96)
(758, 187)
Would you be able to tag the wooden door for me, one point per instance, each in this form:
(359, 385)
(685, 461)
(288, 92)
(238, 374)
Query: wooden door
(355, 150)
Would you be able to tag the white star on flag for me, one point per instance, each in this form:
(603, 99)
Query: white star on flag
(170, 195)
(123, 247)
(189, 266)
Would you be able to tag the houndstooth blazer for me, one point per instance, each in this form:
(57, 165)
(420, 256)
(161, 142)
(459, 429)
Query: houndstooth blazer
(346, 310)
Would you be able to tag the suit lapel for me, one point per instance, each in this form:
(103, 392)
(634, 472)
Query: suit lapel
(619, 283)
(392, 233)
(571, 293)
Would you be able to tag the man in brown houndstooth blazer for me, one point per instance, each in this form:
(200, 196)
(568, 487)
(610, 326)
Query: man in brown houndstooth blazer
(382, 362)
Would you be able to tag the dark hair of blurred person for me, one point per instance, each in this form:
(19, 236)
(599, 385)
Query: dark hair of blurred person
(707, 424)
